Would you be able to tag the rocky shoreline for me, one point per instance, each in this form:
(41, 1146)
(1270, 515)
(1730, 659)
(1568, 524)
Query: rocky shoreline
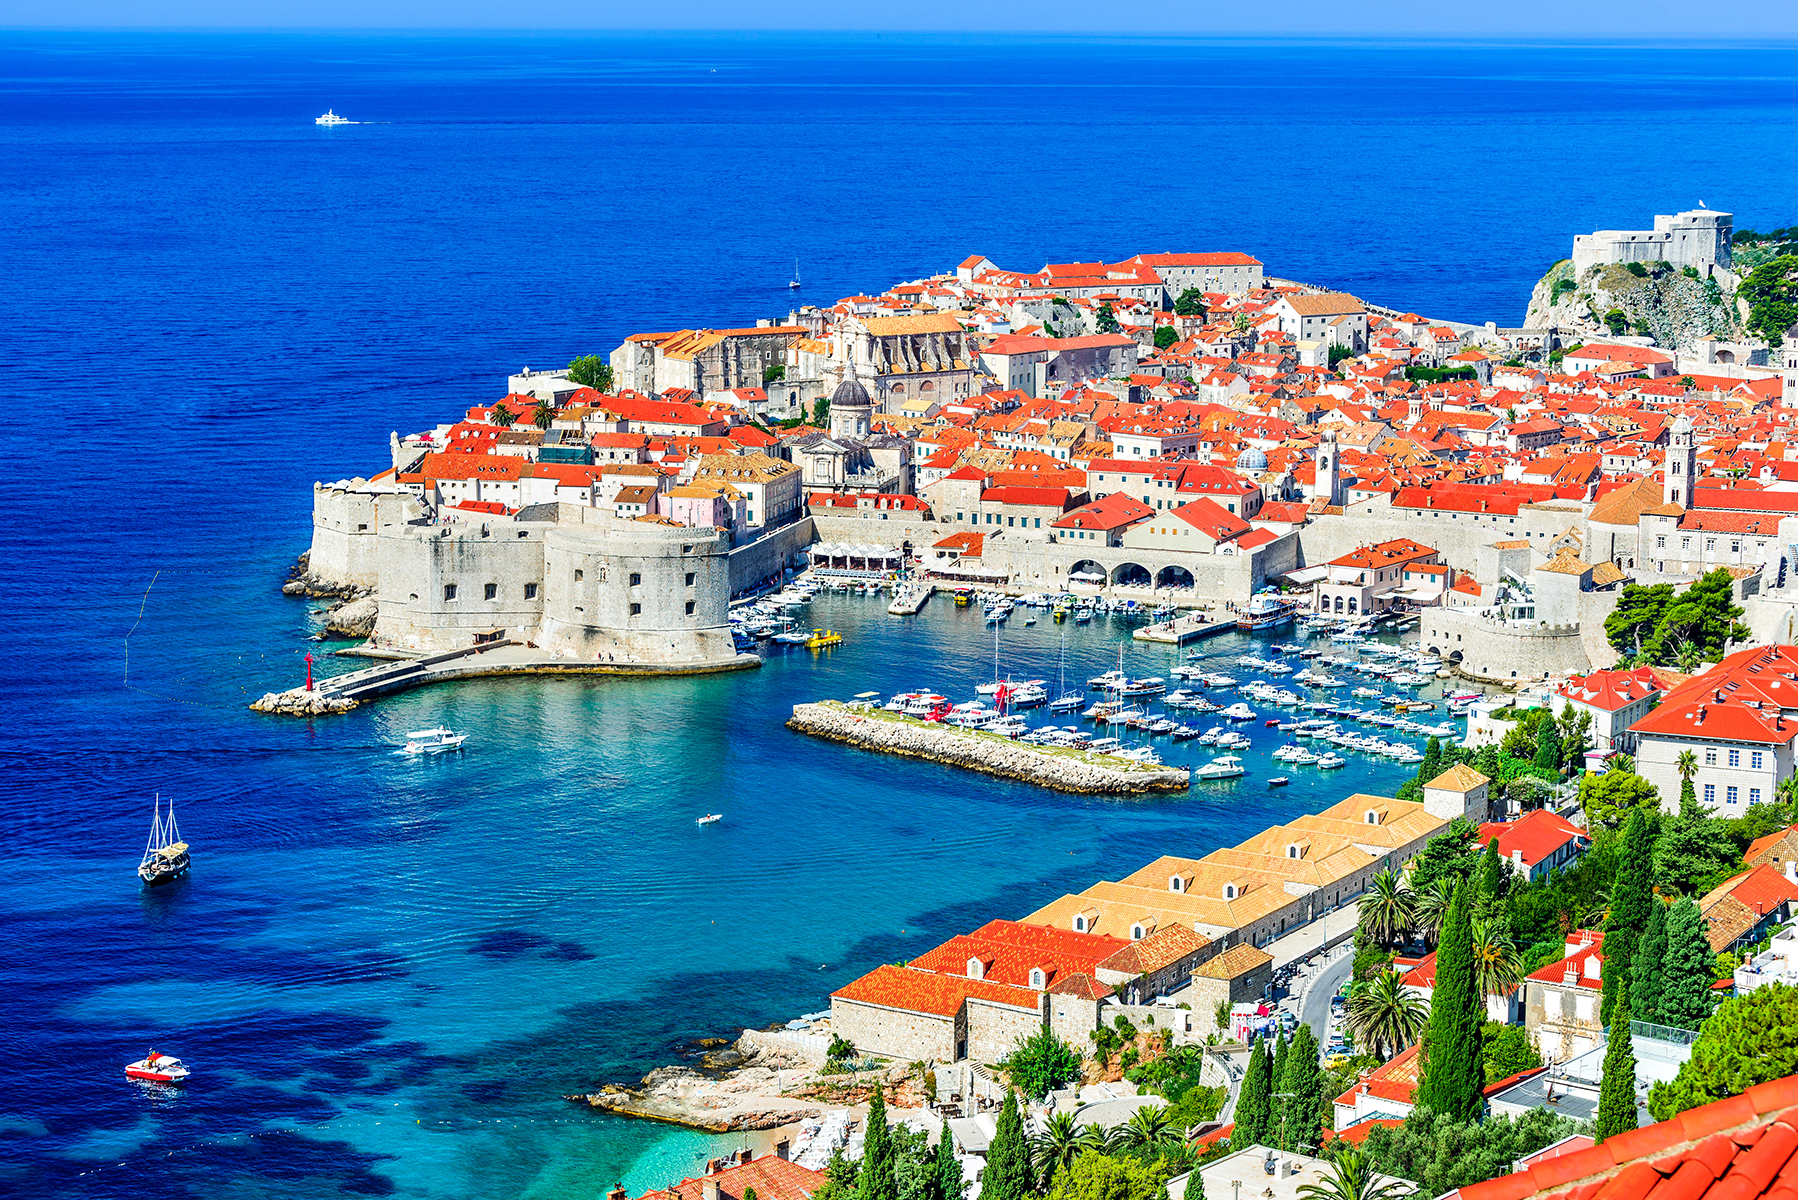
(353, 616)
(1090, 774)
(301, 703)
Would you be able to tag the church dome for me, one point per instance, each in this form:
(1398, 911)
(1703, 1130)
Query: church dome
(851, 394)
(1251, 459)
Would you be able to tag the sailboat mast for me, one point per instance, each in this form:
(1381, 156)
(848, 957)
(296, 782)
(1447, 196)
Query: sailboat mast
(171, 835)
(155, 826)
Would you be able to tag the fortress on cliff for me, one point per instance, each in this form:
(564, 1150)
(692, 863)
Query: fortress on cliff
(1699, 238)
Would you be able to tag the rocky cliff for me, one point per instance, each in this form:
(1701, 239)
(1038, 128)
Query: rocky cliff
(1664, 303)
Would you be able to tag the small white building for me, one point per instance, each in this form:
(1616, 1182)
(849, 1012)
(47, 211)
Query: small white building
(1616, 700)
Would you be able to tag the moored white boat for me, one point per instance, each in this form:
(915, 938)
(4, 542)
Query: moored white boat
(433, 741)
(157, 1068)
(1227, 766)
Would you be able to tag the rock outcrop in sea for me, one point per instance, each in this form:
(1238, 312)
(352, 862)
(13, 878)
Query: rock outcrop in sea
(1063, 770)
(301, 703)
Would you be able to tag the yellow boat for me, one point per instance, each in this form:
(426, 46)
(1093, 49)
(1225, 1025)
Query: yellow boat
(823, 637)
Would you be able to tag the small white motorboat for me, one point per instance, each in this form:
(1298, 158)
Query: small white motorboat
(709, 819)
(331, 118)
(1226, 766)
(433, 741)
(157, 1068)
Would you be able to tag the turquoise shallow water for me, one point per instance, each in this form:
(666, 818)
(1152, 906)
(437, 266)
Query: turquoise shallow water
(388, 972)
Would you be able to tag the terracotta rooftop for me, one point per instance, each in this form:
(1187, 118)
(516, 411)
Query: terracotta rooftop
(772, 1178)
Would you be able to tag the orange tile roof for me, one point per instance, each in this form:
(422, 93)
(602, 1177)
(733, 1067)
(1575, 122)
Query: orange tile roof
(772, 1177)
(928, 992)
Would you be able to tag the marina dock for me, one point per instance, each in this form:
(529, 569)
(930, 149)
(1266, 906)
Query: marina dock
(1181, 630)
(910, 598)
(1063, 769)
(340, 693)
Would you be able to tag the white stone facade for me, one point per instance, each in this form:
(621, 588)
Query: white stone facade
(1698, 238)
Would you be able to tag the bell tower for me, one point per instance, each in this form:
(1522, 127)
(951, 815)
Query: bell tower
(1682, 463)
(1329, 474)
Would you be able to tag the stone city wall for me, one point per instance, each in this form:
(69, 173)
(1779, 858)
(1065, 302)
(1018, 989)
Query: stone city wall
(994, 1029)
(1502, 653)
(895, 1033)
(442, 584)
(635, 592)
(346, 528)
(755, 561)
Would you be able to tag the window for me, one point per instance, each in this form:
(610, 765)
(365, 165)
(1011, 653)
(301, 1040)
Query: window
(1660, 543)
(636, 610)
(1710, 758)
(579, 575)
(1729, 794)
(492, 591)
(1735, 758)
(530, 591)
(1037, 978)
(1754, 760)
(449, 591)
(1039, 522)
(689, 608)
(1582, 1006)
(1710, 793)
(1685, 543)
(1754, 795)
(1735, 547)
(361, 529)
(636, 578)
(690, 577)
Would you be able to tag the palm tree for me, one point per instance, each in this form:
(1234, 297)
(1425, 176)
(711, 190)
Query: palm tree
(1060, 1143)
(1387, 907)
(1686, 764)
(1384, 1015)
(1497, 966)
(1686, 656)
(1787, 791)
(503, 416)
(544, 415)
(1432, 906)
(1350, 1177)
(1147, 1126)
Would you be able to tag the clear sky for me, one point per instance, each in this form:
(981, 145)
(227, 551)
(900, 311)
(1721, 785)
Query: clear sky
(1615, 19)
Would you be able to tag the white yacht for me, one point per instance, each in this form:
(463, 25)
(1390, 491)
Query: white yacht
(331, 118)
(1239, 712)
(432, 741)
(1226, 766)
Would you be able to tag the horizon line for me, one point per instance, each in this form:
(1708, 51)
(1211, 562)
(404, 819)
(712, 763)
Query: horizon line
(1361, 36)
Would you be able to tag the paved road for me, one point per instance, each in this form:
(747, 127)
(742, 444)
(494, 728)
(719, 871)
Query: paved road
(1317, 1000)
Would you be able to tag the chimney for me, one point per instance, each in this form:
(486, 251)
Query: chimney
(713, 1166)
(782, 1149)
(617, 1192)
(741, 1156)
(709, 1189)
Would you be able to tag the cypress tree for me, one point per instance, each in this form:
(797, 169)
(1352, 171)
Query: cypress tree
(1646, 973)
(878, 1179)
(949, 1183)
(1685, 999)
(1548, 743)
(1453, 1072)
(1254, 1102)
(1008, 1172)
(1276, 1109)
(1432, 761)
(1688, 799)
(1617, 1086)
(1631, 894)
(1490, 903)
(1308, 1112)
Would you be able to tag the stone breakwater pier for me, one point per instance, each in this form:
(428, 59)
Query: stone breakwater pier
(870, 728)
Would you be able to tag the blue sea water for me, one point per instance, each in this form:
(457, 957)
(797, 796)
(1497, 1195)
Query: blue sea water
(386, 972)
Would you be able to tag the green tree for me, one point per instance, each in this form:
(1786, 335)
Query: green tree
(840, 1176)
(1631, 894)
(1276, 1112)
(1647, 978)
(1308, 1110)
(914, 1164)
(1497, 963)
(1386, 908)
(590, 370)
(877, 1179)
(1384, 1015)
(1349, 1177)
(821, 412)
(1489, 902)
(1617, 1084)
(1254, 1103)
(1705, 614)
(1639, 610)
(1548, 746)
(773, 374)
(543, 415)
(1692, 849)
(1040, 1063)
(1610, 798)
(1451, 852)
(1008, 1172)
(1431, 766)
(950, 1183)
(1748, 1040)
(1148, 1126)
(1451, 1076)
(1685, 999)
(1191, 303)
(1165, 336)
(1771, 290)
(1440, 1154)
(1506, 1050)
(1061, 1142)
(1432, 907)
(1096, 1176)
(502, 416)
(1105, 320)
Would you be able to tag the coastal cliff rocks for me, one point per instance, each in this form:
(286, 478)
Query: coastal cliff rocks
(354, 619)
(1066, 771)
(1664, 303)
(302, 582)
(301, 703)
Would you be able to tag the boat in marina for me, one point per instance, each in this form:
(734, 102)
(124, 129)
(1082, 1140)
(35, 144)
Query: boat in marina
(1264, 612)
(1331, 761)
(166, 856)
(433, 741)
(1226, 766)
(1278, 781)
(157, 1068)
(1239, 712)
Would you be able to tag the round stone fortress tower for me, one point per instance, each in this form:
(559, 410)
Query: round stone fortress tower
(636, 592)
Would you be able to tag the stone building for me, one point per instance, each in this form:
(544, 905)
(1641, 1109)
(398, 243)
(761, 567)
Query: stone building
(1459, 791)
(1698, 238)
(907, 357)
(1561, 1001)
(702, 360)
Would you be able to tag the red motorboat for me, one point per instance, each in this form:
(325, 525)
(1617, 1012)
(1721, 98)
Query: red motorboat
(1272, 723)
(157, 1068)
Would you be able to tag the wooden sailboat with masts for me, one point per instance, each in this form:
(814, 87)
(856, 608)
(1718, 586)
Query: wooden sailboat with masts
(165, 856)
